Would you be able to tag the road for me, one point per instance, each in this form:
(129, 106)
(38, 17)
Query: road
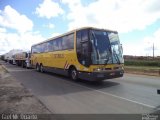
(129, 94)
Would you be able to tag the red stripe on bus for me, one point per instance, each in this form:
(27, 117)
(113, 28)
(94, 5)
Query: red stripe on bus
(65, 65)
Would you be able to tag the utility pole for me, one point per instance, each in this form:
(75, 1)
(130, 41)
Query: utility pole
(153, 50)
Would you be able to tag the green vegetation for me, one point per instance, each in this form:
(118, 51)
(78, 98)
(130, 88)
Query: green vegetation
(150, 63)
(142, 65)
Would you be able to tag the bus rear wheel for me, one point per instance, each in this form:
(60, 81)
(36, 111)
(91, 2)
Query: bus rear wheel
(37, 68)
(41, 68)
(73, 74)
(23, 64)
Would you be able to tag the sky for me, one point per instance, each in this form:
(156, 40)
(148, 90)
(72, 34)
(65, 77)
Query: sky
(26, 22)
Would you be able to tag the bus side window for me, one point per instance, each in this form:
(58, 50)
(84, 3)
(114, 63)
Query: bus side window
(49, 46)
(59, 44)
(44, 47)
(54, 45)
(70, 43)
(39, 48)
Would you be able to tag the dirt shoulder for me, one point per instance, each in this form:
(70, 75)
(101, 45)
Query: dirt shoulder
(142, 70)
(16, 99)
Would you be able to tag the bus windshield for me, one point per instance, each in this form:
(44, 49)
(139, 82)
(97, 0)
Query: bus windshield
(106, 47)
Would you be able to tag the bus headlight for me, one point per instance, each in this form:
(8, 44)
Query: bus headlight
(97, 69)
(122, 68)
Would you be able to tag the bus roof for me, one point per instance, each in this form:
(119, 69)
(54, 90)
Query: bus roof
(72, 32)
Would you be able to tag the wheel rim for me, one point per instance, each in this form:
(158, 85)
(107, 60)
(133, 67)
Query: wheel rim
(74, 74)
(37, 68)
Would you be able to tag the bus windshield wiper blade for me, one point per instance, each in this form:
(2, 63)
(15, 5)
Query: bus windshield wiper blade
(117, 58)
(108, 56)
(95, 39)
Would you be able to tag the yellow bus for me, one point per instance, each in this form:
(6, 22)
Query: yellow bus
(87, 53)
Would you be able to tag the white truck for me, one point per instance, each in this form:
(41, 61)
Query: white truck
(9, 57)
(6, 56)
(23, 59)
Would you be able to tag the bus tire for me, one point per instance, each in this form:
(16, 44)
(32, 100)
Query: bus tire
(23, 65)
(41, 68)
(73, 73)
(37, 68)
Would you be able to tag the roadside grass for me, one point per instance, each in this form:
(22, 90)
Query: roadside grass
(148, 63)
(142, 67)
(148, 67)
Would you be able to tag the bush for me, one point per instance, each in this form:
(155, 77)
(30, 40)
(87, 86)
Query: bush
(142, 63)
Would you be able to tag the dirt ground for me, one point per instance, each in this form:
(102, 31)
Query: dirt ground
(16, 99)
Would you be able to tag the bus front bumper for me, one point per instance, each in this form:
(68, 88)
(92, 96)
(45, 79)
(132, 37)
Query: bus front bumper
(96, 76)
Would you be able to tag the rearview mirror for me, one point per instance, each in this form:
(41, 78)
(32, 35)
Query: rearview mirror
(121, 48)
(158, 91)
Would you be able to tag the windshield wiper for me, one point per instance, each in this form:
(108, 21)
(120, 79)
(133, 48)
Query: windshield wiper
(117, 58)
(94, 37)
(108, 56)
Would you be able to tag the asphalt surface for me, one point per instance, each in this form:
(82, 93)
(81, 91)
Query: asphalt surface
(129, 94)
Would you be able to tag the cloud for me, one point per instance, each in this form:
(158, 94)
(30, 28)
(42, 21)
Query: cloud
(23, 37)
(3, 30)
(10, 18)
(49, 25)
(132, 49)
(148, 42)
(121, 15)
(144, 47)
(55, 34)
(23, 41)
(49, 9)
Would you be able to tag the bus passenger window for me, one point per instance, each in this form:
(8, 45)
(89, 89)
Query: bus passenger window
(64, 43)
(49, 46)
(44, 47)
(59, 42)
(70, 43)
(55, 47)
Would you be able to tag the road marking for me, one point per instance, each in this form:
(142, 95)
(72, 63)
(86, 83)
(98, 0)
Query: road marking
(17, 70)
(9, 70)
(150, 106)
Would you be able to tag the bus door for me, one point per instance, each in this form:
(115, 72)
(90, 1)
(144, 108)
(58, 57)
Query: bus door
(83, 53)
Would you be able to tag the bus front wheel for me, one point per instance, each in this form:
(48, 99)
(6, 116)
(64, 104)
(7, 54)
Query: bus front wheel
(73, 74)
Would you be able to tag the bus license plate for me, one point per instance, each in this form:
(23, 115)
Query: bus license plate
(100, 75)
(112, 73)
